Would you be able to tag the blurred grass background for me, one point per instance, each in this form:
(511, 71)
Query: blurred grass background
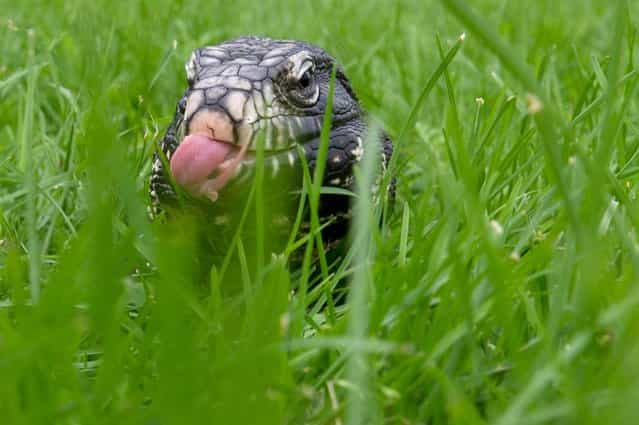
(502, 290)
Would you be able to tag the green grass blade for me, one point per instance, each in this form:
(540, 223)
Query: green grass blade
(359, 410)
(27, 166)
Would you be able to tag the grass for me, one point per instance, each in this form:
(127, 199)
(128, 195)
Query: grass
(501, 287)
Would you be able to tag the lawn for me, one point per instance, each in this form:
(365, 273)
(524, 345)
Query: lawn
(502, 287)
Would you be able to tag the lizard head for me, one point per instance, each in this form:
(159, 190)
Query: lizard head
(251, 89)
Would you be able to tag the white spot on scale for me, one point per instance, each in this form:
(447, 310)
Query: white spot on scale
(275, 165)
(358, 152)
(291, 158)
(384, 161)
(337, 159)
(336, 181)
(349, 180)
(291, 130)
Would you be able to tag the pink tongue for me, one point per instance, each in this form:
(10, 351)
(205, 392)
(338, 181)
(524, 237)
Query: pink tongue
(195, 159)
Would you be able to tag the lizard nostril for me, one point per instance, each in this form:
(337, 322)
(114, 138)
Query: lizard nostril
(211, 131)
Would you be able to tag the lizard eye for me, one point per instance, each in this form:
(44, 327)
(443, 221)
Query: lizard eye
(303, 88)
(306, 79)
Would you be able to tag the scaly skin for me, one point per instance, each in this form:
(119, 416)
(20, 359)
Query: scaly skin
(275, 89)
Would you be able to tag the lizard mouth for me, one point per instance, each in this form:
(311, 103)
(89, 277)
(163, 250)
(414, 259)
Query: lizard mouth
(204, 165)
(216, 152)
